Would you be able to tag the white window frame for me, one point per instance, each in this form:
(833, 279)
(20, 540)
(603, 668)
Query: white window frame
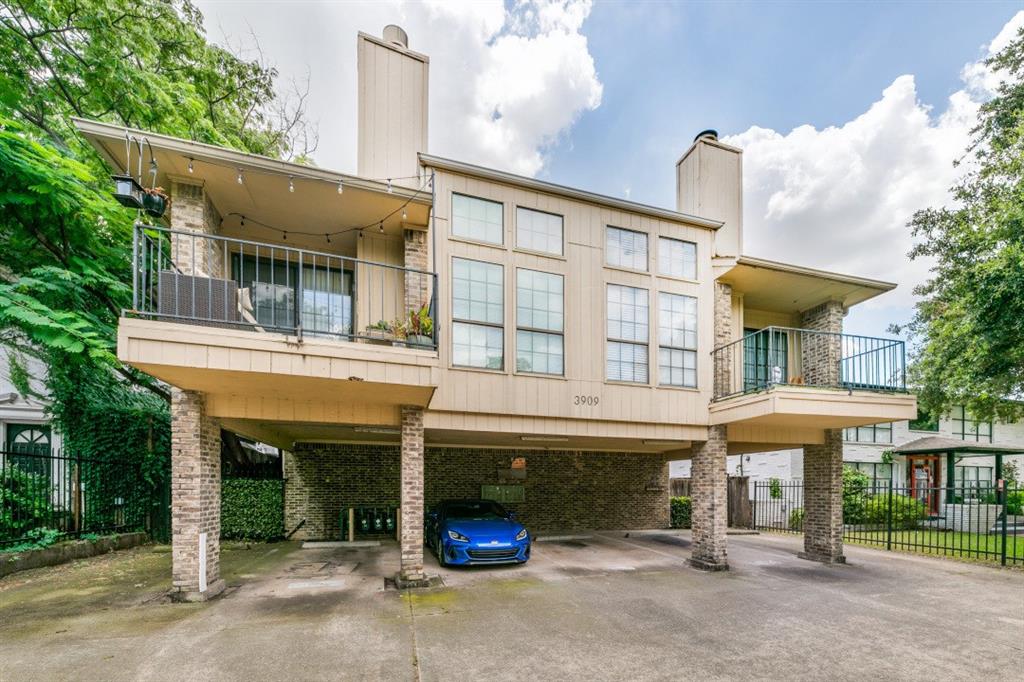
(608, 251)
(532, 248)
(550, 331)
(672, 348)
(475, 237)
(665, 260)
(622, 340)
(473, 322)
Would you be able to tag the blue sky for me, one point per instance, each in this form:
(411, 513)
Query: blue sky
(849, 114)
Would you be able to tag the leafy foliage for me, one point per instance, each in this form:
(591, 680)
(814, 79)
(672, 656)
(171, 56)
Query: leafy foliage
(22, 508)
(37, 538)
(906, 511)
(796, 519)
(1015, 503)
(969, 340)
(774, 488)
(252, 509)
(680, 512)
(856, 485)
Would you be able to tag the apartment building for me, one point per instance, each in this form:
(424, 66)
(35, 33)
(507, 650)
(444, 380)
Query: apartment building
(428, 328)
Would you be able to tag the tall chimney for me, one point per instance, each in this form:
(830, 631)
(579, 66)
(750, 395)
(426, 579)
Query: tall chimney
(392, 106)
(709, 184)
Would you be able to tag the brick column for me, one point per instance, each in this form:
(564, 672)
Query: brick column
(723, 361)
(710, 501)
(820, 353)
(192, 211)
(411, 573)
(823, 500)
(417, 286)
(195, 498)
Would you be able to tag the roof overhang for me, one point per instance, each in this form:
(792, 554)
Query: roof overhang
(937, 445)
(784, 287)
(535, 185)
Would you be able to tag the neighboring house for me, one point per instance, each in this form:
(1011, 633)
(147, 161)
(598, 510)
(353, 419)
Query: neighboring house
(24, 425)
(871, 449)
(429, 329)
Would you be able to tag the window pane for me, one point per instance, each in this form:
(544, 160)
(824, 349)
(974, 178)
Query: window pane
(627, 313)
(626, 248)
(539, 299)
(477, 219)
(539, 231)
(677, 367)
(477, 291)
(677, 321)
(475, 345)
(627, 362)
(538, 352)
(677, 258)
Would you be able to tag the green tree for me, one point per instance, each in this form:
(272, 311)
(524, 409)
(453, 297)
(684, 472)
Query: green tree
(967, 332)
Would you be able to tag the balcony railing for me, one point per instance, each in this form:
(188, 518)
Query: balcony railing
(218, 281)
(805, 357)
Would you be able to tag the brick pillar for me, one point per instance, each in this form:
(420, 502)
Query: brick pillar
(708, 495)
(820, 354)
(417, 286)
(192, 211)
(823, 500)
(195, 498)
(723, 361)
(411, 573)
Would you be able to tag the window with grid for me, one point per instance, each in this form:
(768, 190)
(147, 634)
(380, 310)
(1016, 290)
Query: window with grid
(677, 340)
(478, 314)
(677, 258)
(539, 322)
(628, 316)
(477, 219)
(879, 472)
(625, 248)
(539, 231)
(973, 480)
(968, 428)
(875, 433)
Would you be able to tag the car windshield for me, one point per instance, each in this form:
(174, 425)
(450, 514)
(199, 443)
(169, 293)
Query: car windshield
(478, 511)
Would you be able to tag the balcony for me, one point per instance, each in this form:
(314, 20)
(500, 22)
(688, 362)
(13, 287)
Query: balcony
(275, 332)
(782, 376)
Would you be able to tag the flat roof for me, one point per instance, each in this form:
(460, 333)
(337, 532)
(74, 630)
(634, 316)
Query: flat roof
(930, 445)
(535, 185)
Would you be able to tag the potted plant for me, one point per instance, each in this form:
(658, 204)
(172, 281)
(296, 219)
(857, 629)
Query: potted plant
(155, 201)
(421, 328)
(399, 333)
(380, 332)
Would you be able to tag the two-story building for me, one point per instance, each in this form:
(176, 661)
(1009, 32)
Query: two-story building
(428, 328)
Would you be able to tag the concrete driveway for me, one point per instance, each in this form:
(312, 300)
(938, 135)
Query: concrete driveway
(610, 606)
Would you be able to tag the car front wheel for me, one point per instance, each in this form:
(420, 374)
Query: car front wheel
(439, 551)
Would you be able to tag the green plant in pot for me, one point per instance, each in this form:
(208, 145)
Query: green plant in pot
(380, 331)
(420, 327)
(155, 201)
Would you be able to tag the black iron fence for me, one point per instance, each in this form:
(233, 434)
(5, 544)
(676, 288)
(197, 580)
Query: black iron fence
(962, 521)
(807, 357)
(73, 496)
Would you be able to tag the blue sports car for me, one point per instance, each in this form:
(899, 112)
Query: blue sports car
(463, 532)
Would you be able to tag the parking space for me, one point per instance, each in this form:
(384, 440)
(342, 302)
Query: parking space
(604, 606)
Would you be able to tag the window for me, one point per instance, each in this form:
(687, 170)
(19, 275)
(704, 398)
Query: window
(677, 340)
(974, 481)
(627, 334)
(539, 322)
(925, 421)
(625, 248)
(538, 231)
(875, 433)
(477, 219)
(29, 447)
(969, 428)
(765, 358)
(677, 258)
(879, 472)
(478, 312)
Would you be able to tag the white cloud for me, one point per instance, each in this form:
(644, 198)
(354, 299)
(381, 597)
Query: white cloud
(505, 83)
(840, 197)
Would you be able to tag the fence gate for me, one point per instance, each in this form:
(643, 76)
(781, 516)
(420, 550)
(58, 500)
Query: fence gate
(740, 509)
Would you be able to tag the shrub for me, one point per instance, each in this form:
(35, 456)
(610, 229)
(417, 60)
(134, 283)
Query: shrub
(906, 511)
(37, 538)
(775, 488)
(24, 502)
(1015, 503)
(796, 519)
(855, 488)
(251, 509)
(680, 511)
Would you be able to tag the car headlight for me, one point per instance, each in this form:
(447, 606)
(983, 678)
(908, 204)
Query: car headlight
(458, 537)
(522, 535)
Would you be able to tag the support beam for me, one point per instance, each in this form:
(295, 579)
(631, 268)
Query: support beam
(950, 478)
(195, 499)
(709, 497)
(823, 500)
(411, 572)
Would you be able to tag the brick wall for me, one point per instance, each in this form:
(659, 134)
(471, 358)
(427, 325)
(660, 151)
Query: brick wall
(823, 498)
(709, 496)
(820, 353)
(192, 211)
(723, 384)
(565, 491)
(418, 286)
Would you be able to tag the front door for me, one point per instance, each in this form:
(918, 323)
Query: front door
(923, 473)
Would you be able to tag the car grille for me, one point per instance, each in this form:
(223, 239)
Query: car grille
(492, 554)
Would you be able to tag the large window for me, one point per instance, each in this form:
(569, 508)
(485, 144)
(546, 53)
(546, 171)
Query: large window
(477, 219)
(539, 231)
(628, 316)
(974, 481)
(677, 340)
(879, 472)
(478, 312)
(968, 428)
(539, 322)
(625, 248)
(677, 258)
(925, 421)
(765, 358)
(875, 433)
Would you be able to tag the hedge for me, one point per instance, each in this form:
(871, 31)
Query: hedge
(906, 511)
(680, 511)
(251, 509)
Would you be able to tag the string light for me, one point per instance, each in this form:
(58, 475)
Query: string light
(328, 235)
(191, 165)
(239, 178)
(405, 214)
(389, 185)
(285, 237)
(291, 184)
(341, 188)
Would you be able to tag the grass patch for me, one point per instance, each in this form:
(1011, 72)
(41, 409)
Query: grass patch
(979, 546)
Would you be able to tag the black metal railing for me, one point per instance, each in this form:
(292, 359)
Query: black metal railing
(221, 281)
(805, 357)
(959, 520)
(71, 496)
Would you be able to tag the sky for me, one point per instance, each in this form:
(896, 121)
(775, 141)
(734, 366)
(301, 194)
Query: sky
(850, 115)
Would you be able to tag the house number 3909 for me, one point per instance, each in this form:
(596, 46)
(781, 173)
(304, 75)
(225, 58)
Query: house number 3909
(585, 400)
